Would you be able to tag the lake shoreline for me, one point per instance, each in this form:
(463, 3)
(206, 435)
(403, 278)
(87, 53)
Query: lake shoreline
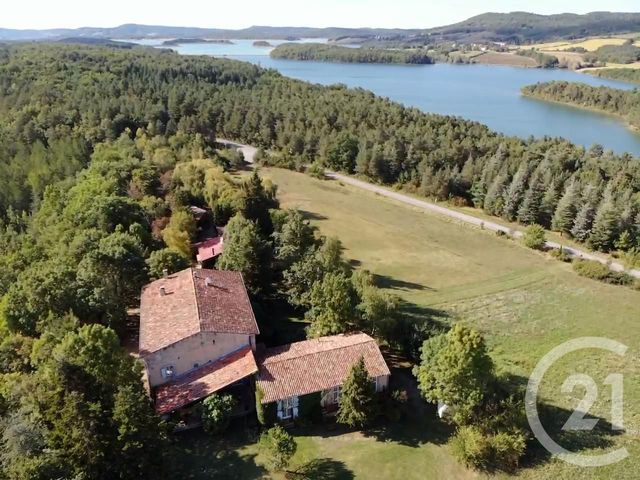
(485, 93)
(623, 118)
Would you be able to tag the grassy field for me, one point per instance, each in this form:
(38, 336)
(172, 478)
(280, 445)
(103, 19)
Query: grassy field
(524, 302)
(589, 44)
(509, 59)
(635, 65)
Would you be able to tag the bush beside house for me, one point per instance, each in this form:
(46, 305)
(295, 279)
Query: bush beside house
(216, 413)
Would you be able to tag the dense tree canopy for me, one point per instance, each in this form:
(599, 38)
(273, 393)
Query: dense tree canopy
(333, 53)
(625, 103)
(88, 95)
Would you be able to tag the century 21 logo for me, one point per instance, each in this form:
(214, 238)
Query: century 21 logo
(577, 421)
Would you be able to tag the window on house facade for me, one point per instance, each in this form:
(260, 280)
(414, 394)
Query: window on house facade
(287, 408)
(168, 372)
(331, 396)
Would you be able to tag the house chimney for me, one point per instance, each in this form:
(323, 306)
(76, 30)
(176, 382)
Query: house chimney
(208, 282)
(165, 273)
(163, 291)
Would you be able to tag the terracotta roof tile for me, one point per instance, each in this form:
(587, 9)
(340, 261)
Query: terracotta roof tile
(314, 365)
(205, 381)
(209, 248)
(192, 304)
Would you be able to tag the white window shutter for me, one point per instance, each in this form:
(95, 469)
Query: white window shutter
(280, 412)
(296, 403)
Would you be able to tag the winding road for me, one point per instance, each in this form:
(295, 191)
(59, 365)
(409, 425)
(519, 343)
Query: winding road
(249, 153)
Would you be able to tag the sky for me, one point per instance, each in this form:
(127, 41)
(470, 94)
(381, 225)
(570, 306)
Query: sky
(312, 13)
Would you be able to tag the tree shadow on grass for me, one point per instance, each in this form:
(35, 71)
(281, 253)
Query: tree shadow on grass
(412, 431)
(198, 456)
(576, 441)
(312, 215)
(322, 469)
(414, 324)
(553, 418)
(420, 313)
(385, 281)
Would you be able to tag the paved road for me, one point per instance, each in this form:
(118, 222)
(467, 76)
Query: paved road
(489, 225)
(249, 154)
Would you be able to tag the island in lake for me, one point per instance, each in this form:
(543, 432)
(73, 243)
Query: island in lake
(183, 41)
(262, 43)
(321, 52)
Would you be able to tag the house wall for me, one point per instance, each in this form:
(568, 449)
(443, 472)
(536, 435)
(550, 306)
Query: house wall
(324, 398)
(193, 352)
(382, 383)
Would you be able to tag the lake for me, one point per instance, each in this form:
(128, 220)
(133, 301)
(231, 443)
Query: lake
(486, 93)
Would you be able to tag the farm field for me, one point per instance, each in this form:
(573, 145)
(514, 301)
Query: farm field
(609, 66)
(509, 59)
(589, 44)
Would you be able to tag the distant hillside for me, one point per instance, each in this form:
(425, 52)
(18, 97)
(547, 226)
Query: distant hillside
(522, 27)
(516, 27)
(157, 31)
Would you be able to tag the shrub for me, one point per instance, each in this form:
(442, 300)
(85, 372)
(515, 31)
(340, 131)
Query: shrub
(266, 414)
(216, 413)
(508, 448)
(631, 258)
(276, 447)
(591, 269)
(599, 271)
(561, 254)
(534, 237)
(316, 170)
(471, 447)
(621, 278)
(480, 450)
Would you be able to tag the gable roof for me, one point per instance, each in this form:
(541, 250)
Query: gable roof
(186, 303)
(209, 248)
(206, 380)
(314, 365)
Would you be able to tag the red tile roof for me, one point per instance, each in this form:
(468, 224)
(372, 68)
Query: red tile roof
(209, 248)
(206, 380)
(192, 304)
(314, 365)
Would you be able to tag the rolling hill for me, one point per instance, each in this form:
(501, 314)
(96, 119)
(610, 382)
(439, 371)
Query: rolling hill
(515, 27)
(523, 27)
(158, 31)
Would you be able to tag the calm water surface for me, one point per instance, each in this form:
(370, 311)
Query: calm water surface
(488, 94)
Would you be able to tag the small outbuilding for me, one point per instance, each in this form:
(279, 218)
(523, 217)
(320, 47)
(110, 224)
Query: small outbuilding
(317, 367)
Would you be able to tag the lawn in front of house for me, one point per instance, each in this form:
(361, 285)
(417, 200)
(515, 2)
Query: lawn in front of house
(412, 449)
